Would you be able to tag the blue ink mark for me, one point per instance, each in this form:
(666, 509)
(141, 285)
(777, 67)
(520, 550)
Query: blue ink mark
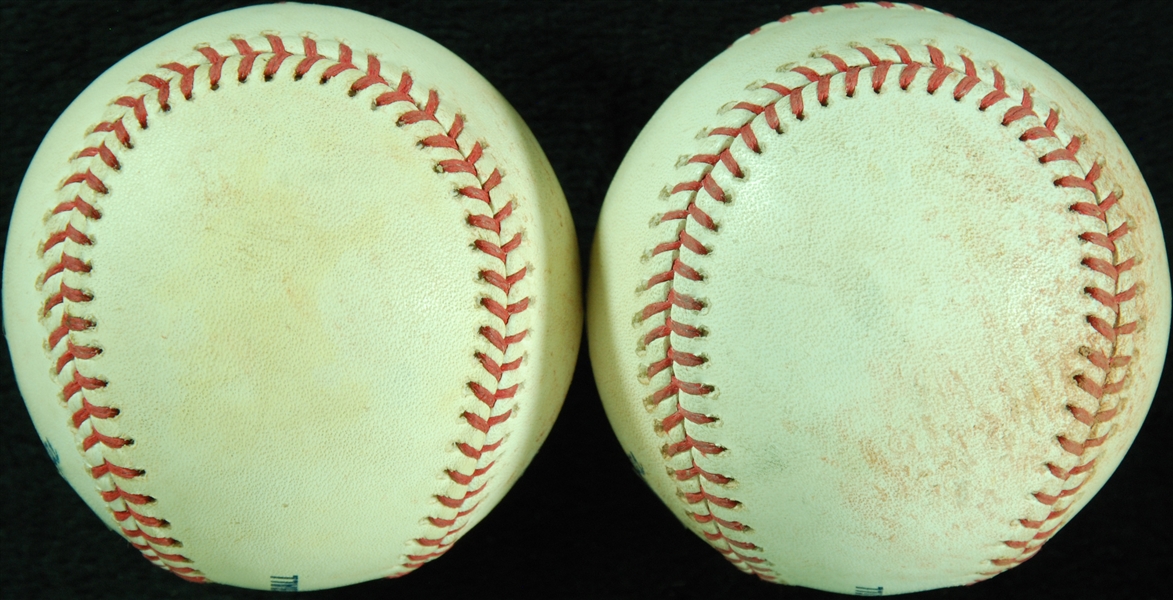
(639, 469)
(283, 583)
(869, 591)
(53, 456)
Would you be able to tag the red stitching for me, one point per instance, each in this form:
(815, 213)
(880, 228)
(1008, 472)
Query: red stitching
(503, 280)
(145, 520)
(119, 494)
(279, 55)
(69, 297)
(1109, 383)
(701, 501)
(1110, 362)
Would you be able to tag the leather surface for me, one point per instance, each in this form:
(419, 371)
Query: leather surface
(884, 317)
(586, 77)
(288, 296)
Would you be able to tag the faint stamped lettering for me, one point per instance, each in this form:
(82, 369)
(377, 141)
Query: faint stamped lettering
(635, 466)
(283, 583)
(53, 456)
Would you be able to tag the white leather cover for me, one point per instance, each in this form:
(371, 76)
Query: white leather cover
(293, 295)
(878, 301)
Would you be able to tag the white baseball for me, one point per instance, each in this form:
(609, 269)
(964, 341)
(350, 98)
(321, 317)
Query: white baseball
(878, 301)
(292, 293)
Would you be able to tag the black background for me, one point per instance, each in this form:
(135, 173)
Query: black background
(586, 76)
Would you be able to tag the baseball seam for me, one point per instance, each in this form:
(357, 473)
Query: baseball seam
(495, 239)
(1110, 362)
(850, 5)
(144, 531)
(502, 337)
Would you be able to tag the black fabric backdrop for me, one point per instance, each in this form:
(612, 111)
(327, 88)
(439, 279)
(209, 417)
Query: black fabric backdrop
(586, 76)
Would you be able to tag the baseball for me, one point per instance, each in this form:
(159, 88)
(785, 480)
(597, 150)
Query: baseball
(292, 297)
(878, 301)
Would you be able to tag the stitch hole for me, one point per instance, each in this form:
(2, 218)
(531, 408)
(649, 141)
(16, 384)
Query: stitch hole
(214, 86)
(267, 77)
